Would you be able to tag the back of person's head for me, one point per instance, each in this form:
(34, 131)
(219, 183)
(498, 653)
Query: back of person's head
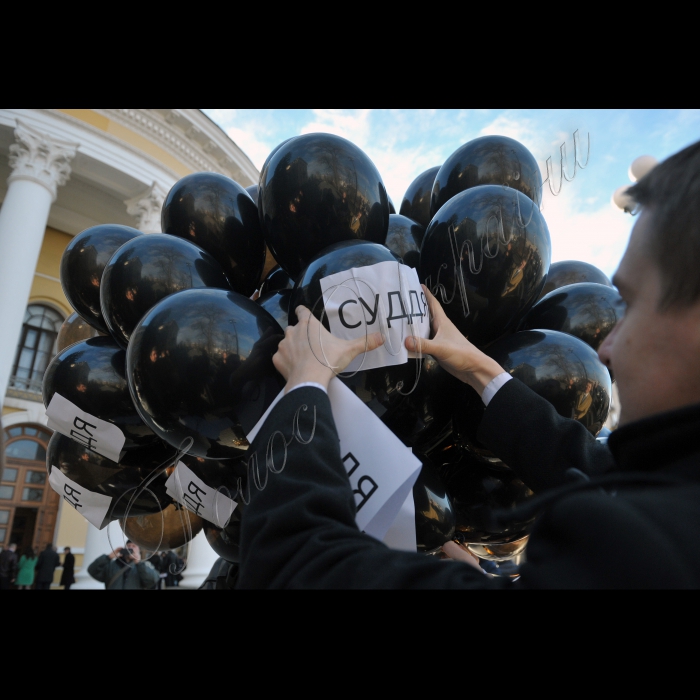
(29, 552)
(13, 546)
(66, 549)
(671, 193)
(49, 547)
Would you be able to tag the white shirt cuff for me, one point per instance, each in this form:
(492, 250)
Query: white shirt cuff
(316, 384)
(493, 386)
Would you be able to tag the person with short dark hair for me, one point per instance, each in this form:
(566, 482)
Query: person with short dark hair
(8, 567)
(45, 567)
(25, 569)
(68, 576)
(623, 516)
(123, 569)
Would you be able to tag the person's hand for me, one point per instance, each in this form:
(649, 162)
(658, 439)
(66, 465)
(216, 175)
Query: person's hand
(458, 552)
(135, 553)
(453, 351)
(115, 553)
(309, 353)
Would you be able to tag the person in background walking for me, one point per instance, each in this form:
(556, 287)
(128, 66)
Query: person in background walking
(45, 567)
(8, 567)
(27, 565)
(67, 577)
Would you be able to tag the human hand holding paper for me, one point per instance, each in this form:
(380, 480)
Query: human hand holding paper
(453, 351)
(309, 353)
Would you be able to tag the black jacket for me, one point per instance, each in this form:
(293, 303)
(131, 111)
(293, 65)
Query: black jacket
(632, 525)
(8, 564)
(68, 576)
(46, 565)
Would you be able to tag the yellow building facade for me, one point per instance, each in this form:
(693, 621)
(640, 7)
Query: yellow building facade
(62, 171)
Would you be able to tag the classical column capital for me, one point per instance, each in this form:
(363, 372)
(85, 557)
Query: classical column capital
(41, 158)
(146, 207)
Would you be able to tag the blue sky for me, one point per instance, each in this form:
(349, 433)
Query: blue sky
(402, 143)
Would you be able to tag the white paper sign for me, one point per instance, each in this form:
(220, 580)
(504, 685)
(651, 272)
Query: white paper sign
(385, 297)
(92, 506)
(402, 533)
(201, 499)
(382, 471)
(95, 434)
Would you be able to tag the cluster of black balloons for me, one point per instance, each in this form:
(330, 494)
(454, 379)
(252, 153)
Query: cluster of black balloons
(178, 356)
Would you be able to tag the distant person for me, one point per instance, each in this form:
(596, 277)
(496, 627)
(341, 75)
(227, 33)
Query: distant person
(68, 577)
(123, 569)
(45, 567)
(171, 565)
(26, 567)
(8, 567)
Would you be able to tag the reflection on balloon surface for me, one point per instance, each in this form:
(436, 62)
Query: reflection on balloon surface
(173, 527)
(435, 518)
(92, 375)
(147, 269)
(404, 239)
(276, 279)
(215, 213)
(416, 201)
(82, 264)
(499, 552)
(74, 329)
(485, 257)
(487, 160)
(567, 272)
(277, 305)
(200, 365)
(317, 190)
(119, 481)
(586, 310)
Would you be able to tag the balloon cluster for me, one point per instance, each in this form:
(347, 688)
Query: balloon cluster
(167, 346)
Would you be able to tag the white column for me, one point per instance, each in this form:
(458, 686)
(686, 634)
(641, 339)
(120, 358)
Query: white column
(98, 542)
(200, 559)
(146, 207)
(39, 164)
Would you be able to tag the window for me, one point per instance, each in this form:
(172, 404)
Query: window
(4, 517)
(29, 494)
(33, 477)
(7, 492)
(9, 474)
(3, 532)
(37, 345)
(26, 449)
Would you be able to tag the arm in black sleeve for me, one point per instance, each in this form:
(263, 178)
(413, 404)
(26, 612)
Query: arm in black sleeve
(526, 432)
(299, 530)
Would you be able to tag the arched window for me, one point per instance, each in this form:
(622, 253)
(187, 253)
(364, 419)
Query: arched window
(37, 345)
(28, 504)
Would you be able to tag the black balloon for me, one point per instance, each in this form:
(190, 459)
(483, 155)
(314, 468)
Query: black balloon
(252, 190)
(147, 269)
(275, 280)
(586, 310)
(120, 481)
(423, 420)
(404, 239)
(74, 329)
(416, 202)
(217, 214)
(92, 375)
(435, 517)
(83, 263)
(226, 541)
(200, 365)
(263, 170)
(567, 272)
(485, 256)
(556, 366)
(487, 160)
(476, 490)
(317, 190)
(277, 305)
(382, 389)
(392, 208)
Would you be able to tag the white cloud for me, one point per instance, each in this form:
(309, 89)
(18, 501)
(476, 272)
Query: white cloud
(597, 236)
(352, 125)
(250, 142)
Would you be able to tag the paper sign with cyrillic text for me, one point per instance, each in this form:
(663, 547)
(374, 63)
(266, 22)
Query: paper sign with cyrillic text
(95, 434)
(386, 298)
(199, 498)
(92, 506)
(382, 471)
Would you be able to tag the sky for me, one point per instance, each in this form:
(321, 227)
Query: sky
(583, 222)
